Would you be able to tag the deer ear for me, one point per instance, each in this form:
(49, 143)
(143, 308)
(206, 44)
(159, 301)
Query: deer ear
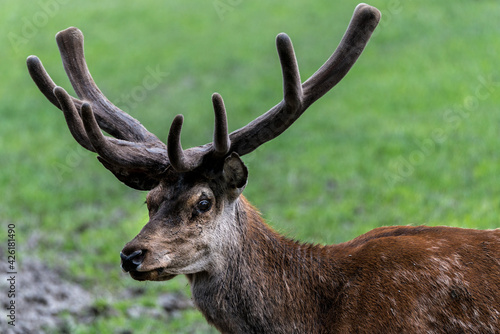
(235, 173)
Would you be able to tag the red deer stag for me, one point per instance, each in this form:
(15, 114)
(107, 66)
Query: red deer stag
(245, 277)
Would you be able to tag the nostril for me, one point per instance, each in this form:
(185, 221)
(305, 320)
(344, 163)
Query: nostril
(132, 261)
(131, 256)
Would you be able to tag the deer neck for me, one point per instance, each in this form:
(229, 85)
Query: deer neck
(264, 282)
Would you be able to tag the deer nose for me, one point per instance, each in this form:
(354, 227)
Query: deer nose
(132, 261)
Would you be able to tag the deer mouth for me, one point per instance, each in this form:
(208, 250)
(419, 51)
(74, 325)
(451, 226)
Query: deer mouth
(158, 274)
(133, 264)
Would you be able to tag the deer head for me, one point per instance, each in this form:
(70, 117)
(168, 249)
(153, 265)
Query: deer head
(195, 194)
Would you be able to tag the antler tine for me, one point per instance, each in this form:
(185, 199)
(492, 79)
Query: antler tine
(292, 87)
(280, 117)
(221, 137)
(363, 23)
(122, 154)
(110, 118)
(43, 80)
(88, 134)
(178, 159)
(297, 97)
(72, 117)
(188, 160)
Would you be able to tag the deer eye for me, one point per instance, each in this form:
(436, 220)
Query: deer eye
(204, 205)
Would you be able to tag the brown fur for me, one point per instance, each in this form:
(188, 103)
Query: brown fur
(390, 280)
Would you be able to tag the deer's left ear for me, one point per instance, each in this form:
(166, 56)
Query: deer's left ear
(235, 173)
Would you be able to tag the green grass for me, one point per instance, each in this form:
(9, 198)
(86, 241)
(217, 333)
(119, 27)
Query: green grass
(410, 136)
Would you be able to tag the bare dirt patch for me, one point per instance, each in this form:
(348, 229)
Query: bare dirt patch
(42, 297)
(47, 301)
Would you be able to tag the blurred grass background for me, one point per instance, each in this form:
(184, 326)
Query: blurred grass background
(410, 136)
